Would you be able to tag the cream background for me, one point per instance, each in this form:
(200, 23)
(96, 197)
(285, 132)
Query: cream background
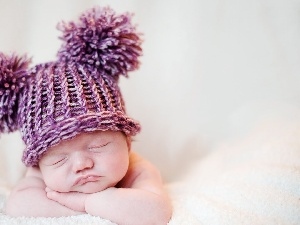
(211, 70)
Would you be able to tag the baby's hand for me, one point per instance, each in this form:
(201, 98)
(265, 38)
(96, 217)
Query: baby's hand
(72, 200)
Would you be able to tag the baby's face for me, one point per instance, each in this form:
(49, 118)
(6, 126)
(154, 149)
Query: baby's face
(88, 163)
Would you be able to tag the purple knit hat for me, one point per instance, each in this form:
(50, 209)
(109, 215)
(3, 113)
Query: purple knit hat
(77, 93)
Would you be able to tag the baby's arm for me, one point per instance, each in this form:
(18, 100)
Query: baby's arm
(29, 198)
(141, 199)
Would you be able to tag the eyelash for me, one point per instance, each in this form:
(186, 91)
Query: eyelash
(98, 147)
(59, 161)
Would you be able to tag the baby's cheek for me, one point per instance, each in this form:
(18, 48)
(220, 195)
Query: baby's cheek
(57, 183)
(119, 168)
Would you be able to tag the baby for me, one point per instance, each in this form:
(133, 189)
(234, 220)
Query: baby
(93, 173)
(72, 118)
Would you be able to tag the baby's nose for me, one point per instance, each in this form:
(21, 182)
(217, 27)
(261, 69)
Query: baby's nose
(82, 162)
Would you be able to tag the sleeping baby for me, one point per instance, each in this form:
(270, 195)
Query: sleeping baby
(72, 118)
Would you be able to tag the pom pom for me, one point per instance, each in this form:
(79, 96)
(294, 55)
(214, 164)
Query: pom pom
(102, 40)
(13, 77)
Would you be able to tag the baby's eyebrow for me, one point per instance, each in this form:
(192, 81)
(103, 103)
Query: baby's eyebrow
(54, 153)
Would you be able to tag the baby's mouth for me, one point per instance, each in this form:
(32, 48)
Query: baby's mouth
(85, 179)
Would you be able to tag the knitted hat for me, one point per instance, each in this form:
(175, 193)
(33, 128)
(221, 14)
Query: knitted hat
(77, 93)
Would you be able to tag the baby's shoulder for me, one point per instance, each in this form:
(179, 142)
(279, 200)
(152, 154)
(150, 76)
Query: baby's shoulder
(138, 164)
(140, 172)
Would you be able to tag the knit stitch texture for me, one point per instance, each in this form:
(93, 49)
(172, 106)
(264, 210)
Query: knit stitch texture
(79, 91)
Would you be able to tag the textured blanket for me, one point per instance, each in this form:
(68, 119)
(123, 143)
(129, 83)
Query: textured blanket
(254, 180)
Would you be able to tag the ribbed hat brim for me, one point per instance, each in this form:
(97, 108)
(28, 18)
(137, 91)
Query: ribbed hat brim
(69, 128)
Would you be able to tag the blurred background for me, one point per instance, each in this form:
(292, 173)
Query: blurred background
(210, 72)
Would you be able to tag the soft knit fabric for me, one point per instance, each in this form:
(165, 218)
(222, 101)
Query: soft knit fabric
(77, 93)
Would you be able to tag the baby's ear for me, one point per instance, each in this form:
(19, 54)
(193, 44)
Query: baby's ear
(128, 141)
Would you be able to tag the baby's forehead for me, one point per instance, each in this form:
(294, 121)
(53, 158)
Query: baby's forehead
(84, 139)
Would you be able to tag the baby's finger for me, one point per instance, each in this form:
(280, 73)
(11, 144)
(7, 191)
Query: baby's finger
(71, 200)
(58, 197)
(48, 189)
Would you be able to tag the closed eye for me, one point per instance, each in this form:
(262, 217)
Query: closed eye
(59, 161)
(98, 148)
(52, 161)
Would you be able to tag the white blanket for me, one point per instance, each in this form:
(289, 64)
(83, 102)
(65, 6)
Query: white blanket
(254, 180)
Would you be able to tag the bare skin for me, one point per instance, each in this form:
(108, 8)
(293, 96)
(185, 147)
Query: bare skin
(94, 173)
